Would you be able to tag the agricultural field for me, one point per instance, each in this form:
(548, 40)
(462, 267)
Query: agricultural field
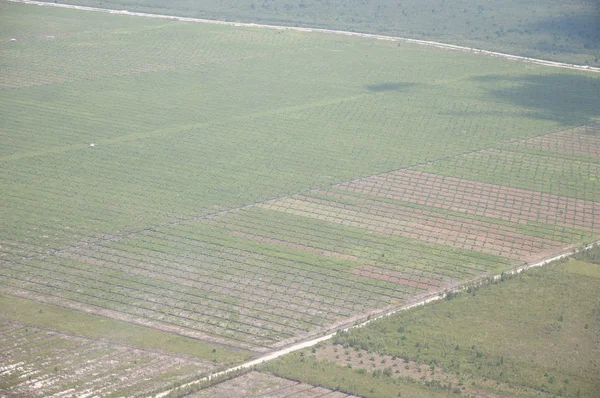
(262, 385)
(245, 188)
(54, 351)
(533, 335)
(38, 362)
(564, 30)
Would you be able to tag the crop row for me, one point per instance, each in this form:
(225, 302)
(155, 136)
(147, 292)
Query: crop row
(42, 363)
(580, 141)
(480, 198)
(519, 167)
(230, 286)
(208, 285)
(143, 51)
(396, 220)
(387, 251)
(188, 314)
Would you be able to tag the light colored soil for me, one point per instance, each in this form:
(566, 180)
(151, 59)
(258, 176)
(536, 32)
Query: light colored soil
(262, 385)
(49, 363)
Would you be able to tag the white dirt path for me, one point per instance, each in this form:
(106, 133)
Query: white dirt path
(329, 31)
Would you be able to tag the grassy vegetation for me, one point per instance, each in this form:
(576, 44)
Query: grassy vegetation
(553, 29)
(592, 255)
(534, 334)
(91, 326)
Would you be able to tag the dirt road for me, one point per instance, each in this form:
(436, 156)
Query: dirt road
(329, 31)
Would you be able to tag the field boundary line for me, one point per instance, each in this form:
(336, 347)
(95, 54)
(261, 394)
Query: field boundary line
(420, 302)
(435, 44)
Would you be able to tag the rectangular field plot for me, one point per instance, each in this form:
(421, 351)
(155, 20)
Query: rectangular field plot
(582, 141)
(263, 385)
(41, 363)
(541, 171)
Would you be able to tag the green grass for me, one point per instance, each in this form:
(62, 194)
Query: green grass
(534, 332)
(554, 29)
(91, 326)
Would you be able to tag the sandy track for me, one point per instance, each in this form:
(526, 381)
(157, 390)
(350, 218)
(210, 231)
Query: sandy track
(329, 31)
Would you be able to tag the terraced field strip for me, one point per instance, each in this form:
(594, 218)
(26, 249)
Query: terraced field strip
(474, 197)
(581, 141)
(398, 220)
(553, 174)
(38, 362)
(206, 286)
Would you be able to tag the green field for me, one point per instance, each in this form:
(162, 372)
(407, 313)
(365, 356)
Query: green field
(552, 29)
(536, 334)
(247, 188)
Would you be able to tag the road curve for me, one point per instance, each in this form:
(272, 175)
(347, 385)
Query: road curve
(329, 31)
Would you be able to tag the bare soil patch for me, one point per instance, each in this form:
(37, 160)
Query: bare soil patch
(580, 141)
(48, 363)
(262, 385)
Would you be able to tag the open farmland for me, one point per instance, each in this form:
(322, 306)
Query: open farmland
(250, 187)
